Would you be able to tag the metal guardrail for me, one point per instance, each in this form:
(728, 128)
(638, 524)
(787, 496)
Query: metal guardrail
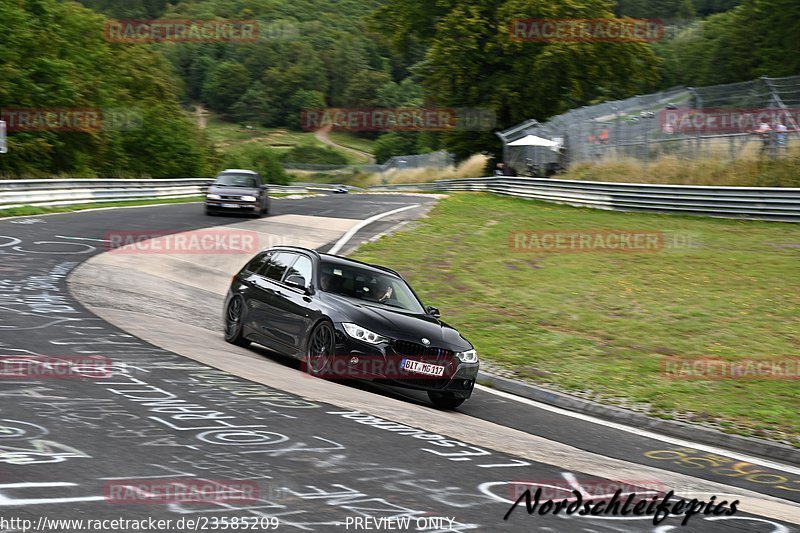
(758, 203)
(16, 193)
(56, 192)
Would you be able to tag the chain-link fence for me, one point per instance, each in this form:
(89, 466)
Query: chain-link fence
(758, 117)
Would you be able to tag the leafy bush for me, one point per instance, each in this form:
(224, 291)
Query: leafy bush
(395, 143)
(259, 158)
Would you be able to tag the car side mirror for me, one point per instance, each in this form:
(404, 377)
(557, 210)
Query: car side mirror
(298, 281)
(433, 311)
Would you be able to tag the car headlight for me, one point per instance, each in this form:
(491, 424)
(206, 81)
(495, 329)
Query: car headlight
(470, 356)
(213, 197)
(249, 198)
(362, 334)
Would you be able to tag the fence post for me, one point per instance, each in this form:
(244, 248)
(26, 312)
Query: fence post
(698, 104)
(776, 98)
(616, 131)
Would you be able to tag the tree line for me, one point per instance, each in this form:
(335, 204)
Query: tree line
(353, 53)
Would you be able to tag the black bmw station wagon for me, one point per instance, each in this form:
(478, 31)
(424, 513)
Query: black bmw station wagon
(347, 319)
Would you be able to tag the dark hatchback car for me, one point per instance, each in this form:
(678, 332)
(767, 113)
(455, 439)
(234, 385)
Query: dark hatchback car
(237, 191)
(347, 319)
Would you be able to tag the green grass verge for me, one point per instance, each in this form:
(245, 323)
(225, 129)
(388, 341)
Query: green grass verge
(600, 324)
(228, 136)
(224, 134)
(351, 140)
(28, 210)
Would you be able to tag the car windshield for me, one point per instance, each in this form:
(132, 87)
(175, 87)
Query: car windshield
(236, 180)
(367, 285)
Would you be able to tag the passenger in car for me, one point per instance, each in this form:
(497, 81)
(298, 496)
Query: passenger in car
(332, 283)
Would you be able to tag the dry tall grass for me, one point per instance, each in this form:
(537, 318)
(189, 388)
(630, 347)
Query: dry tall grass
(748, 169)
(474, 167)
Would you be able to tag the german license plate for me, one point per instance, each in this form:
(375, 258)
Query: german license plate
(418, 367)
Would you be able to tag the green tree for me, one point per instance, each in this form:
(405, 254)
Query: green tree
(343, 62)
(255, 106)
(364, 88)
(407, 93)
(655, 9)
(259, 158)
(224, 85)
(395, 143)
(472, 61)
(756, 38)
(53, 55)
(299, 68)
(128, 9)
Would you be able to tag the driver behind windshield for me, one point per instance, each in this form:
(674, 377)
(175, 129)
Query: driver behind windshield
(383, 291)
(363, 284)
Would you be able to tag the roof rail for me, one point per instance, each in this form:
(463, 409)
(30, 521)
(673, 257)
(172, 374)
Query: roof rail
(288, 247)
(316, 253)
(379, 267)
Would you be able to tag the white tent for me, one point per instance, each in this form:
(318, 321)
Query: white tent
(533, 140)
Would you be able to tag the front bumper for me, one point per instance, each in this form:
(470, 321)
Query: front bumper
(233, 206)
(383, 363)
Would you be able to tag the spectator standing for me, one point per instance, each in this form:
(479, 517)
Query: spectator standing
(781, 133)
(764, 131)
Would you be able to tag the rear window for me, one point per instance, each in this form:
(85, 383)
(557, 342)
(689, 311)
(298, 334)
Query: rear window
(256, 263)
(275, 267)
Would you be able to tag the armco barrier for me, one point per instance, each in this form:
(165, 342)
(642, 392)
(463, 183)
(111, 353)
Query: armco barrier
(759, 203)
(54, 192)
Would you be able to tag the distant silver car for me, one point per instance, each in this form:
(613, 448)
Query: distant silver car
(341, 189)
(238, 191)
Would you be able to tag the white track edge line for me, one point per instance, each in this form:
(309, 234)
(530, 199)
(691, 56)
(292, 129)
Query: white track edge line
(644, 432)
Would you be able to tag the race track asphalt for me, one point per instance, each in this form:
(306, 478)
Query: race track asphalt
(88, 448)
